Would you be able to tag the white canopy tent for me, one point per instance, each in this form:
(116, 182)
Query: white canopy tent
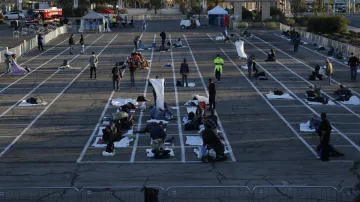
(93, 21)
(217, 11)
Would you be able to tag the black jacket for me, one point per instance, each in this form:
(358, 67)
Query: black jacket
(184, 68)
(163, 35)
(71, 41)
(212, 90)
(324, 129)
(116, 72)
(209, 137)
(81, 41)
(157, 132)
(353, 61)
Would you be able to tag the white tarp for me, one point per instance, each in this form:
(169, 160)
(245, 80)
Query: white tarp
(240, 49)
(158, 85)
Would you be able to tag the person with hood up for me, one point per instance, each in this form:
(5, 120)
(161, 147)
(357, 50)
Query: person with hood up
(71, 44)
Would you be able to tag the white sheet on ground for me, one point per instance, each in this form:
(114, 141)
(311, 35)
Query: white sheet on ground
(194, 101)
(197, 151)
(150, 154)
(100, 133)
(283, 96)
(352, 101)
(319, 103)
(125, 142)
(240, 49)
(104, 153)
(174, 107)
(304, 127)
(120, 101)
(219, 38)
(158, 85)
(26, 104)
(194, 140)
(191, 109)
(157, 121)
(190, 84)
(244, 66)
(202, 98)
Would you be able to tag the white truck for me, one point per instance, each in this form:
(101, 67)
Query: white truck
(192, 23)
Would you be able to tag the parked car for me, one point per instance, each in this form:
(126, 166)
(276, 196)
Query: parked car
(184, 24)
(14, 15)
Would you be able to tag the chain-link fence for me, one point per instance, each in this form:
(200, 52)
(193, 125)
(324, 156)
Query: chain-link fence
(26, 46)
(322, 41)
(180, 194)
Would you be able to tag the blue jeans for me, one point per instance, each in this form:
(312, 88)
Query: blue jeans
(353, 73)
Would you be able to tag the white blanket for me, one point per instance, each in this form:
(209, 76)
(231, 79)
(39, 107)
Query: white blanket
(244, 66)
(219, 38)
(352, 101)
(125, 142)
(194, 101)
(304, 127)
(104, 153)
(194, 140)
(202, 98)
(26, 104)
(190, 84)
(197, 151)
(119, 101)
(185, 120)
(240, 49)
(150, 154)
(283, 96)
(157, 121)
(131, 110)
(191, 109)
(319, 103)
(159, 86)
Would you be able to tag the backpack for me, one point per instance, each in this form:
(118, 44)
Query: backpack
(178, 83)
(161, 153)
(278, 92)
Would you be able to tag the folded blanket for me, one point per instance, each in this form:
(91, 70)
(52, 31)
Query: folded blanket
(194, 140)
(119, 101)
(283, 96)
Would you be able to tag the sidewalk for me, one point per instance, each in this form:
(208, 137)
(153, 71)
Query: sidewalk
(354, 29)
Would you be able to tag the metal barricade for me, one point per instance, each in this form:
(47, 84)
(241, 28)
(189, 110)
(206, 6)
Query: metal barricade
(208, 194)
(349, 194)
(295, 194)
(122, 193)
(44, 194)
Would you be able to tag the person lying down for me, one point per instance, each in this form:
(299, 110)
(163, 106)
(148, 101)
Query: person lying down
(161, 114)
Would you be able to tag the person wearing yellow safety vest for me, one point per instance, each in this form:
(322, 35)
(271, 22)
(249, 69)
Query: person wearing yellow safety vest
(218, 62)
(113, 21)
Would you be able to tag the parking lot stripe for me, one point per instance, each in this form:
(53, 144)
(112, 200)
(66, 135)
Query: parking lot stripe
(49, 105)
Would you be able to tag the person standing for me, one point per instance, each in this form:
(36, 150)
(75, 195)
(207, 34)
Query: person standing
(250, 62)
(353, 63)
(93, 64)
(218, 67)
(136, 42)
(116, 76)
(106, 26)
(82, 44)
(71, 44)
(297, 42)
(8, 61)
(324, 131)
(329, 70)
(40, 42)
(212, 94)
(184, 71)
(163, 37)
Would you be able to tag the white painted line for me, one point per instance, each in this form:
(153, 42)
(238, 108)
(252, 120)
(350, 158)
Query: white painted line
(179, 121)
(82, 154)
(301, 100)
(336, 146)
(48, 106)
(270, 105)
(332, 79)
(38, 54)
(39, 85)
(2, 90)
(151, 161)
(133, 153)
(227, 143)
(7, 136)
(341, 161)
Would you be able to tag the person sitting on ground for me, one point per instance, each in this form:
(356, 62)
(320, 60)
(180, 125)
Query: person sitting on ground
(142, 45)
(210, 139)
(111, 134)
(159, 114)
(286, 33)
(178, 43)
(314, 122)
(343, 93)
(17, 69)
(143, 62)
(331, 51)
(158, 136)
(213, 117)
(338, 54)
(226, 36)
(271, 56)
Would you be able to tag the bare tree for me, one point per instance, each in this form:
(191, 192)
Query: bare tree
(298, 7)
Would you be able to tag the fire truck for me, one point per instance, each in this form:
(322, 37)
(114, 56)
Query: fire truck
(44, 16)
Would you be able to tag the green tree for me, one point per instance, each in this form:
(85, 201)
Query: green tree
(298, 7)
(65, 3)
(156, 5)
